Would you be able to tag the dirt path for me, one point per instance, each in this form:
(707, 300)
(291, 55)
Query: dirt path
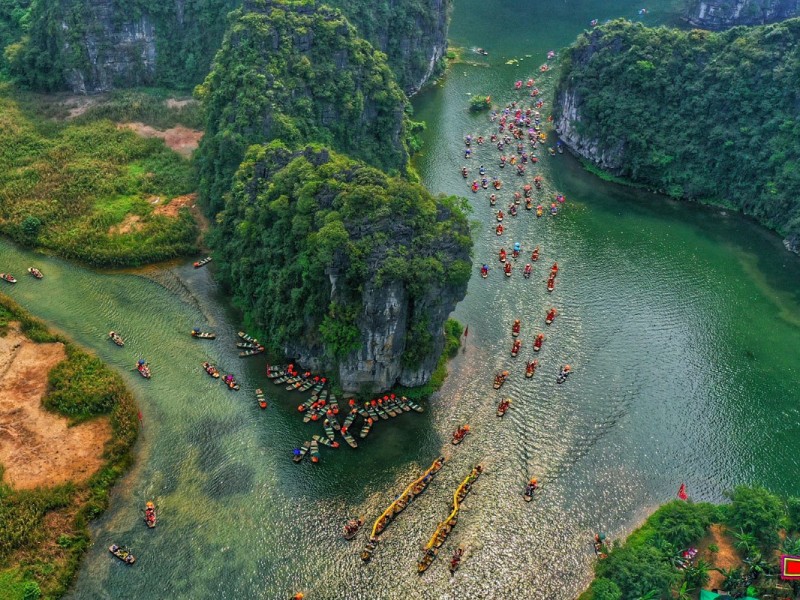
(38, 448)
(725, 558)
(181, 139)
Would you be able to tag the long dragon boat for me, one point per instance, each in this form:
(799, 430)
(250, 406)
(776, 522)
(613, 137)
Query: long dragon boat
(445, 527)
(415, 488)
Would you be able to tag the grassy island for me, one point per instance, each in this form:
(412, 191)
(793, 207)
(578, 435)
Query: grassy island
(737, 546)
(47, 498)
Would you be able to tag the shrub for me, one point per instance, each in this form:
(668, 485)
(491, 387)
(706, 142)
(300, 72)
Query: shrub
(758, 512)
(480, 103)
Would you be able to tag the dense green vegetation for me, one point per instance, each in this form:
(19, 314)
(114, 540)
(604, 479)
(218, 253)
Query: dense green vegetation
(44, 532)
(297, 219)
(69, 187)
(759, 525)
(297, 72)
(405, 31)
(706, 116)
(40, 51)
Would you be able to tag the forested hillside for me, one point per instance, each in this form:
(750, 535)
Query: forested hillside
(705, 116)
(297, 72)
(342, 265)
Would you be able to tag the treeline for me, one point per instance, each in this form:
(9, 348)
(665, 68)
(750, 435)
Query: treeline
(650, 564)
(44, 532)
(705, 116)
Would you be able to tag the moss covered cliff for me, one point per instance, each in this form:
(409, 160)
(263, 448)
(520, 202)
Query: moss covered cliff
(342, 266)
(705, 116)
(298, 72)
(722, 14)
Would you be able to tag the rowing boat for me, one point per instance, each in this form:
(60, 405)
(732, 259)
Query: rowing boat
(413, 405)
(300, 452)
(116, 338)
(203, 335)
(247, 338)
(247, 353)
(351, 528)
(314, 450)
(325, 441)
(202, 262)
(230, 381)
(348, 437)
(334, 404)
(365, 428)
(369, 550)
(247, 346)
(150, 515)
(261, 399)
(122, 553)
(211, 370)
(326, 425)
(503, 407)
(35, 272)
(144, 369)
(381, 413)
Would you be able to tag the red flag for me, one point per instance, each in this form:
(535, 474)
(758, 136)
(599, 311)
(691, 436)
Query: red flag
(140, 415)
(682, 492)
(466, 331)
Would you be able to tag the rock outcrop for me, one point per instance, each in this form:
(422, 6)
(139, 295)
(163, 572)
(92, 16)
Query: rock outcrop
(91, 46)
(343, 268)
(723, 14)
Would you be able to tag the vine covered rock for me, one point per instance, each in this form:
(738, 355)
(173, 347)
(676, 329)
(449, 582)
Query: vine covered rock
(341, 266)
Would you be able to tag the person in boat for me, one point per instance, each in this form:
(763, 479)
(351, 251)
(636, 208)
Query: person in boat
(482, 171)
(500, 215)
(502, 160)
(485, 271)
(516, 326)
(565, 370)
(517, 248)
(499, 230)
(484, 183)
(531, 487)
(497, 183)
(468, 140)
(513, 210)
(528, 270)
(502, 255)
(553, 209)
(551, 315)
(537, 343)
(467, 153)
(508, 268)
(554, 269)
(535, 254)
(492, 199)
(531, 367)
(464, 172)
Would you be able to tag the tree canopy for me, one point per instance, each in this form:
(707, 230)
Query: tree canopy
(706, 116)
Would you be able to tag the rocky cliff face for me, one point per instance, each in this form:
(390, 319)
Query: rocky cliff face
(93, 46)
(722, 14)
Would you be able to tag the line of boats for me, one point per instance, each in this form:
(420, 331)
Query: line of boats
(33, 271)
(124, 553)
(414, 489)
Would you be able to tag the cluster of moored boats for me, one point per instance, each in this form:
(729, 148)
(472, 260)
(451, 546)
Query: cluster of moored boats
(323, 406)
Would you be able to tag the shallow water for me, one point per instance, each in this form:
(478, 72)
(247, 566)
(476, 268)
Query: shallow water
(682, 325)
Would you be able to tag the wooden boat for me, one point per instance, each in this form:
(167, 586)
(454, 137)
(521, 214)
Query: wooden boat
(562, 376)
(150, 515)
(349, 420)
(363, 413)
(403, 404)
(290, 383)
(35, 272)
(372, 412)
(481, 51)
(334, 421)
(515, 348)
(300, 452)
(202, 262)
(460, 434)
(262, 400)
(247, 346)
(381, 413)
(326, 425)
(307, 385)
(515, 328)
(507, 269)
(324, 441)
(312, 414)
(8, 277)
(203, 335)
(384, 404)
(455, 562)
(122, 553)
(116, 338)
(530, 369)
(247, 338)
(413, 405)
(529, 490)
(351, 528)
(314, 451)
(275, 372)
(144, 369)
(348, 437)
(550, 316)
(551, 284)
(500, 379)
(503, 407)
(230, 381)
(369, 550)
(333, 403)
(537, 343)
(211, 370)
(365, 428)
(253, 352)
(318, 387)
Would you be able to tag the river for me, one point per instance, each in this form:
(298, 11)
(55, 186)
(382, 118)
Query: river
(682, 324)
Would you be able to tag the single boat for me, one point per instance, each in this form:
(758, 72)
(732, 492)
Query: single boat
(8, 277)
(365, 428)
(35, 272)
(562, 376)
(143, 368)
(150, 515)
(413, 405)
(500, 379)
(230, 381)
(261, 399)
(455, 562)
(211, 370)
(503, 407)
(326, 425)
(369, 549)
(116, 338)
(203, 335)
(460, 434)
(515, 348)
(122, 553)
(247, 346)
(515, 328)
(537, 343)
(314, 451)
(529, 490)
(300, 452)
(324, 441)
(252, 352)
(550, 316)
(530, 368)
(481, 51)
(247, 338)
(348, 437)
(202, 262)
(351, 528)
(551, 283)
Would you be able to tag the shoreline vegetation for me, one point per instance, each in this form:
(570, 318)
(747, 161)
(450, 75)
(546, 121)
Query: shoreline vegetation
(45, 529)
(76, 183)
(684, 547)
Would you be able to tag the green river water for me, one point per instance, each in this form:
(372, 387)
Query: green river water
(682, 325)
